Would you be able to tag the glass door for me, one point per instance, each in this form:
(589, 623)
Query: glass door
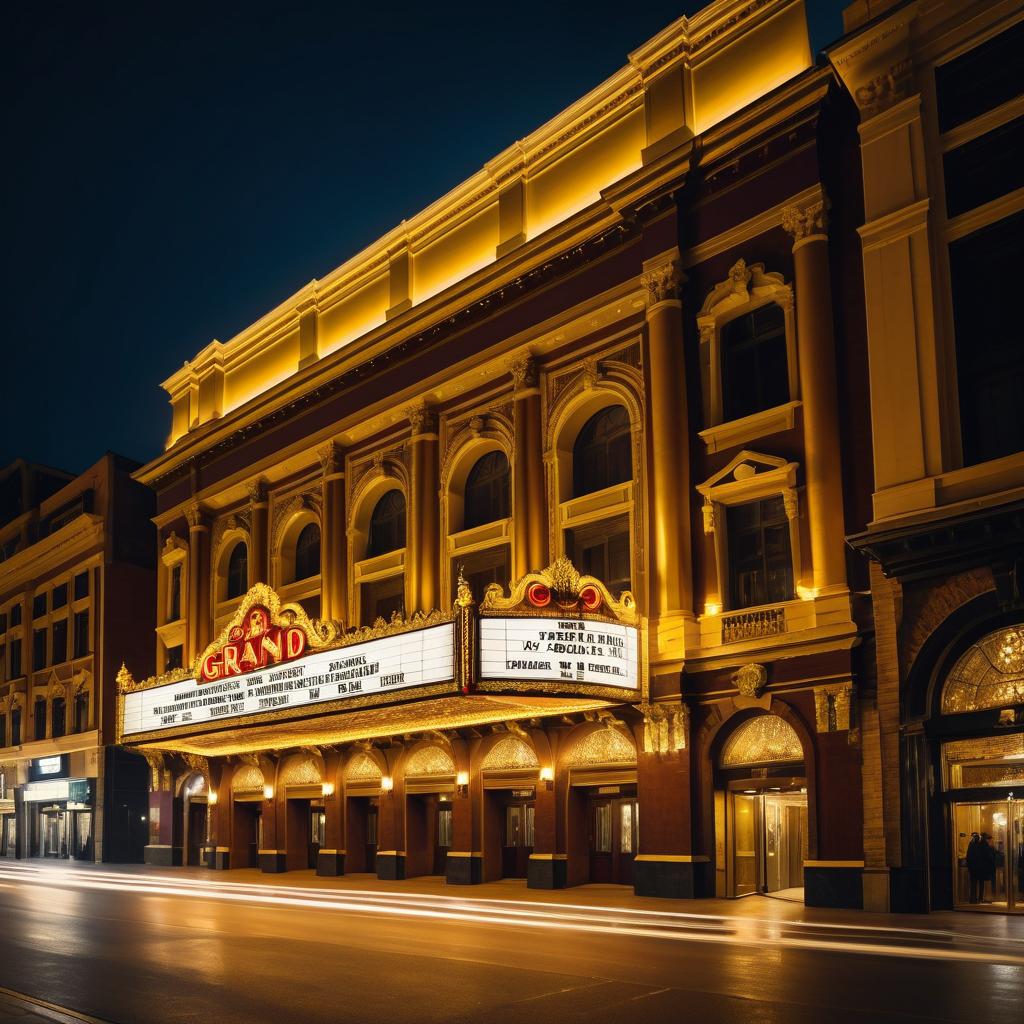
(767, 836)
(989, 855)
(745, 834)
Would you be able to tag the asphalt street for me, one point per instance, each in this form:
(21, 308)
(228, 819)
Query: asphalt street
(156, 947)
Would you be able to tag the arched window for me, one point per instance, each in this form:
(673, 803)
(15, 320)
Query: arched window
(307, 552)
(387, 525)
(602, 454)
(487, 490)
(238, 569)
(755, 375)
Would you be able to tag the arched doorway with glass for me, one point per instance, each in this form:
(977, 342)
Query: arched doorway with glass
(983, 775)
(761, 810)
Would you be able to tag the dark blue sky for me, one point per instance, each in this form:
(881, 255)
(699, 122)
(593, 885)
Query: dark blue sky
(175, 169)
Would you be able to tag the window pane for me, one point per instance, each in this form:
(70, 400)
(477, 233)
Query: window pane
(989, 354)
(626, 827)
(307, 552)
(81, 585)
(40, 719)
(529, 831)
(58, 715)
(38, 606)
(487, 491)
(444, 827)
(174, 657)
(984, 168)
(602, 454)
(981, 79)
(15, 647)
(513, 831)
(603, 828)
(81, 634)
(39, 638)
(760, 554)
(60, 596)
(755, 372)
(387, 525)
(238, 570)
(60, 641)
(16, 727)
(174, 603)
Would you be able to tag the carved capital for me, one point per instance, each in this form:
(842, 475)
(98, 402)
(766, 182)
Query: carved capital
(665, 727)
(708, 511)
(422, 418)
(330, 458)
(524, 373)
(257, 491)
(195, 515)
(664, 282)
(791, 503)
(801, 222)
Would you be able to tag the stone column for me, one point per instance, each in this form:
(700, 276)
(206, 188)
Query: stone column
(529, 508)
(258, 506)
(198, 581)
(668, 483)
(331, 859)
(422, 554)
(818, 395)
(334, 562)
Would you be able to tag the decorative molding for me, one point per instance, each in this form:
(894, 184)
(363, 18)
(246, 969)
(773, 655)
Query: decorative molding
(666, 727)
(766, 739)
(525, 374)
(195, 515)
(510, 753)
(832, 707)
(285, 511)
(609, 745)
(331, 459)
(802, 222)
(664, 282)
(429, 760)
(422, 418)
(751, 679)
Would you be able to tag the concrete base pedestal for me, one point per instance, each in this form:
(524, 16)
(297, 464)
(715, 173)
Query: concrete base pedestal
(672, 879)
(273, 862)
(545, 873)
(838, 887)
(391, 866)
(464, 869)
(330, 863)
(162, 856)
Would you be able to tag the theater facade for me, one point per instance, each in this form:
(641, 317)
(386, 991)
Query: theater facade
(514, 547)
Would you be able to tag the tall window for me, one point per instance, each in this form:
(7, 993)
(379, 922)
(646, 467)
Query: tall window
(602, 455)
(81, 634)
(16, 726)
(482, 568)
(60, 641)
(487, 490)
(238, 568)
(381, 599)
(81, 719)
(307, 552)
(39, 638)
(40, 718)
(981, 134)
(3, 730)
(754, 369)
(387, 525)
(15, 647)
(760, 557)
(58, 717)
(82, 585)
(174, 598)
(602, 549)
(173, 658)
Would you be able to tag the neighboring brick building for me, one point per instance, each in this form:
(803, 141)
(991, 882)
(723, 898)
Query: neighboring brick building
(76, 595)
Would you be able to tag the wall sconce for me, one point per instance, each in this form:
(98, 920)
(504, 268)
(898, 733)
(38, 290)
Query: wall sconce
(547, 776)
(327, 789)
(387, 784)
(212, 798)
(462, 783)
(712, 608)
(268, 792)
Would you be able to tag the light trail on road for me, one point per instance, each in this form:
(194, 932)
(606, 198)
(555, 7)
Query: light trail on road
(678, 926)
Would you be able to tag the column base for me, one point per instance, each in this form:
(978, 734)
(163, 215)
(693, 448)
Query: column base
(330, 863)
(273, 862)
(391, 866)
(464, 868)
(162, 856)
(663, 876)
(838, 885)
(875, 883)
(547, 872)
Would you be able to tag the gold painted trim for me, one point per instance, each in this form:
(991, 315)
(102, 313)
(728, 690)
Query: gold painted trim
(273, 853)
(461, 853)
(549, 856)
(674, 858)
(222, 849)
(391, 853)
(332, 853)
(833, 863)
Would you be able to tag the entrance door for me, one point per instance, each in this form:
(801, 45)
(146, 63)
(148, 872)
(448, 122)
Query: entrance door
(444, 837)
(53, 841)
(371, 836)
(317, 832)
(517, 838)
(989, 855)
(196, 832)
(767, 832)
(613, 839)
(82, 835)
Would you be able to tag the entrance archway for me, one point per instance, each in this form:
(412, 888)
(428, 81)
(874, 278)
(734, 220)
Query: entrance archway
(761, 810)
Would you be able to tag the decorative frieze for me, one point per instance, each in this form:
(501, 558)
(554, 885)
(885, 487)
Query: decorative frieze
(665, 727)
(832, 707)
(753, 625)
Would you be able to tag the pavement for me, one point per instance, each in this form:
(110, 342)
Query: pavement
(170, 946)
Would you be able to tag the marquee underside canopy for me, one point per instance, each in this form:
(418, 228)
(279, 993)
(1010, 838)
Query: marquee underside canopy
(441, 713)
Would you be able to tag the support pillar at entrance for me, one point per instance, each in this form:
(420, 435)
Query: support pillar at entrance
(391, 825)
(665, 864)
(218, 853)
(548, 867)
(464, 863)
(273, 853)
(331, 858)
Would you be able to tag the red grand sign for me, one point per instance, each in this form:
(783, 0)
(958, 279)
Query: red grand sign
(255, 644)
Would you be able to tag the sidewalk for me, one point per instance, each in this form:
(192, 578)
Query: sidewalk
(599, 897)
(18, 1009)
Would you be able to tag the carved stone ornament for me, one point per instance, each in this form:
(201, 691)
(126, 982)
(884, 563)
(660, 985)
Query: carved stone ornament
(791, 503)
(708, 512)
(510, 753)
(832, 707)
(665, 727)
(463, 591)
(884, 89)
(810, 220)
(524, 373)
(743, 285)
(330, 458)
(195, 515)
(285, 511)
(602, 746)
(664, 282)
(560, 588)
(591, 374)
(257, 491)
(751, 680)
(422, 418)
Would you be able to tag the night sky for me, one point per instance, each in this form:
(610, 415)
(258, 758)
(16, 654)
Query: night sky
(175, 169)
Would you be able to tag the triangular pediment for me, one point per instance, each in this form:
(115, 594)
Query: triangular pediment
(745, 466)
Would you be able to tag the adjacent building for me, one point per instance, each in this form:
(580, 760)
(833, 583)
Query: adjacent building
(77, 589)
(940, 96)
(515, 546)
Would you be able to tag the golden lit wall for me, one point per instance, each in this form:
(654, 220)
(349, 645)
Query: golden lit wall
(354, 315)
(274, 364)
(456, 254)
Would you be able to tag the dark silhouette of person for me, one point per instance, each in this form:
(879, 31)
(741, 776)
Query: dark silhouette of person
(976, 867)
(990, 859)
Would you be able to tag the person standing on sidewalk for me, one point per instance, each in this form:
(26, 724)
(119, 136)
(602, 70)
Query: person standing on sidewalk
(975, 859)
